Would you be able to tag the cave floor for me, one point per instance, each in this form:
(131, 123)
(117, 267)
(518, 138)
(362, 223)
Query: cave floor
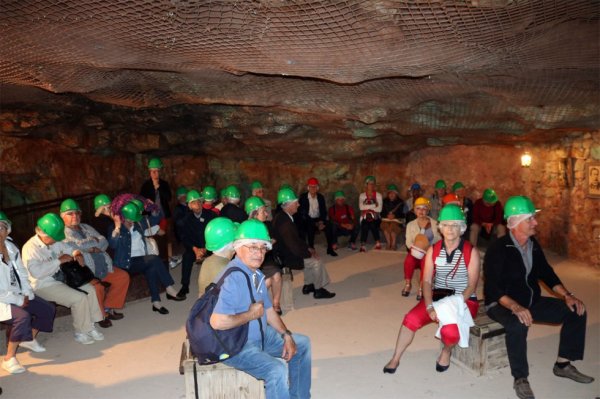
(352, 338)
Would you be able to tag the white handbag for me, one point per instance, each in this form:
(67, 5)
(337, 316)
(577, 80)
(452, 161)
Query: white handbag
(151, 246)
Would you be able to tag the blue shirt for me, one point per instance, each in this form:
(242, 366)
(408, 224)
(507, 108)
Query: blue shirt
(235, 297)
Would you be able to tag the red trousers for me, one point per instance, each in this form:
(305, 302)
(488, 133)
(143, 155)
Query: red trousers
(114, 296)
(410, 263)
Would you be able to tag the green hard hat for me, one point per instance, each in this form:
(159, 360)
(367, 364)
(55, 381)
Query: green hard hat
(489, 196)
(69, 205)
(392, 187)
(338, 194)
(139, 204)
(131, 212)
(209, 193)
(181, 191)
(253, 229)
(155, 163)
(52, 225)
(255, 185)
(451, 212)
(518, 205)
(101, 200)
(285, 195)
(219, 232)
(5, 219)
(285, 185)
(370, 179)
(458, 185)
(440, 184)
(253, 203)
(192, 195)
(232, 192)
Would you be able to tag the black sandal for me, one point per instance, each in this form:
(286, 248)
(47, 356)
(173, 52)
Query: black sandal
(406, 289)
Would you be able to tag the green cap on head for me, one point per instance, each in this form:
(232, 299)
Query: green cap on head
(139, 204)
(69, 205)
(338, 194)
(457, 186)
(286, 195)
(101, 200)
(452, 212)
(285, 185)
(253, 203)
(53, 226)
(370, 179)
(392, 187)
(181, 191)
(232, 192)
(219, 232)
(489, 196)
(518, 205)
(4, 219)
(209, 193)
(155, 163)
(192, 195)
(440, 184)
(131, 212)
(255, 185)
(253, 229)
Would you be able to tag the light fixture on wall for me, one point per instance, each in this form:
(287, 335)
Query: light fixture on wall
(526, 159)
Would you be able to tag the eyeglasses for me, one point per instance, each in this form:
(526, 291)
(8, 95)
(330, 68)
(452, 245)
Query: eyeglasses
(450, 226)
(256, 249)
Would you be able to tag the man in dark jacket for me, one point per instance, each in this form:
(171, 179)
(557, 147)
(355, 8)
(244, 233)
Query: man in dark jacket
(232, 209)
(313, 215)
(156, 189)
(513, 266)
(293, 250)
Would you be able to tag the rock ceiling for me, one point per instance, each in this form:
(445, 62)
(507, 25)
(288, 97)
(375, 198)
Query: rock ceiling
(373, 77)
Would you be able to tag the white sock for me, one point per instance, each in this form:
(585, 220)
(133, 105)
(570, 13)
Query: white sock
(171, 291)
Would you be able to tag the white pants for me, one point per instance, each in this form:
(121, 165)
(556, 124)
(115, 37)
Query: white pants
(315, 273)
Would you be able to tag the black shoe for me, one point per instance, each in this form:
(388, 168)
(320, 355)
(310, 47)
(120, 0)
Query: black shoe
(183, 292)
(113, 315)
(161, 310)
(439, 368)
(389, 370)
(331, 252)
(307, 289)
(176, 298)
(105, 323)
(322, 293)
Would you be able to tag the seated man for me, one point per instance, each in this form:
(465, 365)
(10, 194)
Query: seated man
(294, 252)
(487, 213)
(313, 215)
(258, 191)
(232, 209)
(342, 221)
(219, 234)
(209, 194)
(93, 247)
(436, 198)
(42, 257)
(268, 337)
(513, 267)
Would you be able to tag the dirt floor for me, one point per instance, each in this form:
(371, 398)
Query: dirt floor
(352, 338)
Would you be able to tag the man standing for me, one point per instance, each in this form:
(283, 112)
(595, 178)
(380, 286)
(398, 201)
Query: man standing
(512, 267)
(294, 252)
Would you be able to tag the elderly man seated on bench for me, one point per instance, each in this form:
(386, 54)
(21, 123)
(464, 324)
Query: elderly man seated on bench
(269, 340)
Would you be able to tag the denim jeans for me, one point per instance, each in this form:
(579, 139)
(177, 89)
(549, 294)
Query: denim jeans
(282, 380)
(155, 271)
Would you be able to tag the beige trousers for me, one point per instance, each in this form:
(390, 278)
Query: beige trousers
(84, 308)
(315, 273)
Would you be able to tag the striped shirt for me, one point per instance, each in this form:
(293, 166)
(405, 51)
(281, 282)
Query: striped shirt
(447, 275)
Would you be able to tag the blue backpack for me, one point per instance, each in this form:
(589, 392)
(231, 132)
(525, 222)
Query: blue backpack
(207, 344)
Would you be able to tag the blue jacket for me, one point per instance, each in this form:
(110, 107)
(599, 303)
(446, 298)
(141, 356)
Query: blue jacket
(121, 244)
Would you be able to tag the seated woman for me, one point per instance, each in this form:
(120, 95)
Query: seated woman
(370, 204)
(256, 209)
(392, 214)
(132, 255)
(450, 264)
(19, 307)
(423, 225)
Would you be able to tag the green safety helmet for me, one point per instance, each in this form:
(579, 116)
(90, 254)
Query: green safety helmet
(286, 195)
(139, 204)
(101, 200)
(370, 179)
(338, 194)
(392, 187)
(253, 229)
(181, 191)
(457, 186)
(155, 163)
(452, 212)
(209, 193)
(440, 184)
(219, 232)
(255, 185)
(193, 195)
(6, 220)
(69, 205)
(53, 226)
(518, 205)
(253, 203)
(131, 212)
(285, 185)
(232, 192)
(489, 196)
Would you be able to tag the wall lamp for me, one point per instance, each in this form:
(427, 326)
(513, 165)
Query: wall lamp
(526, 159)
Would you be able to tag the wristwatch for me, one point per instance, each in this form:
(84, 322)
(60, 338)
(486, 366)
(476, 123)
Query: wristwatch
(286, 332)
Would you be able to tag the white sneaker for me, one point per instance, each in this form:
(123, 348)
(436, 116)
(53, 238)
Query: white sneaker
(33, 346)
(96, 335)
(13, 366)
(83, 339)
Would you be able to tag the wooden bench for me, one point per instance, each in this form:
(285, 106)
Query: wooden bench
(217, 381)
(487, 348)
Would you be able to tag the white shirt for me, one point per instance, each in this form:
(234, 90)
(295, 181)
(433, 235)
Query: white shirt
(10, 293)
(313, 206)
(137, 243)
(41, 261)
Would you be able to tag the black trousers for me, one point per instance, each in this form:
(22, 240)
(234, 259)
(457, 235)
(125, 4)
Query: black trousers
(545, 310)
(336, 230)
(366, 226)
(310, 228)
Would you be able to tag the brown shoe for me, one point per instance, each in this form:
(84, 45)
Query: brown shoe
(572, 373)
(105, 323)
(113, 315)
(522, 389)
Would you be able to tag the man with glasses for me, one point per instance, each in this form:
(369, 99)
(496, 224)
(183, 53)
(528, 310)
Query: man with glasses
(512, 267)
(269, 340)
